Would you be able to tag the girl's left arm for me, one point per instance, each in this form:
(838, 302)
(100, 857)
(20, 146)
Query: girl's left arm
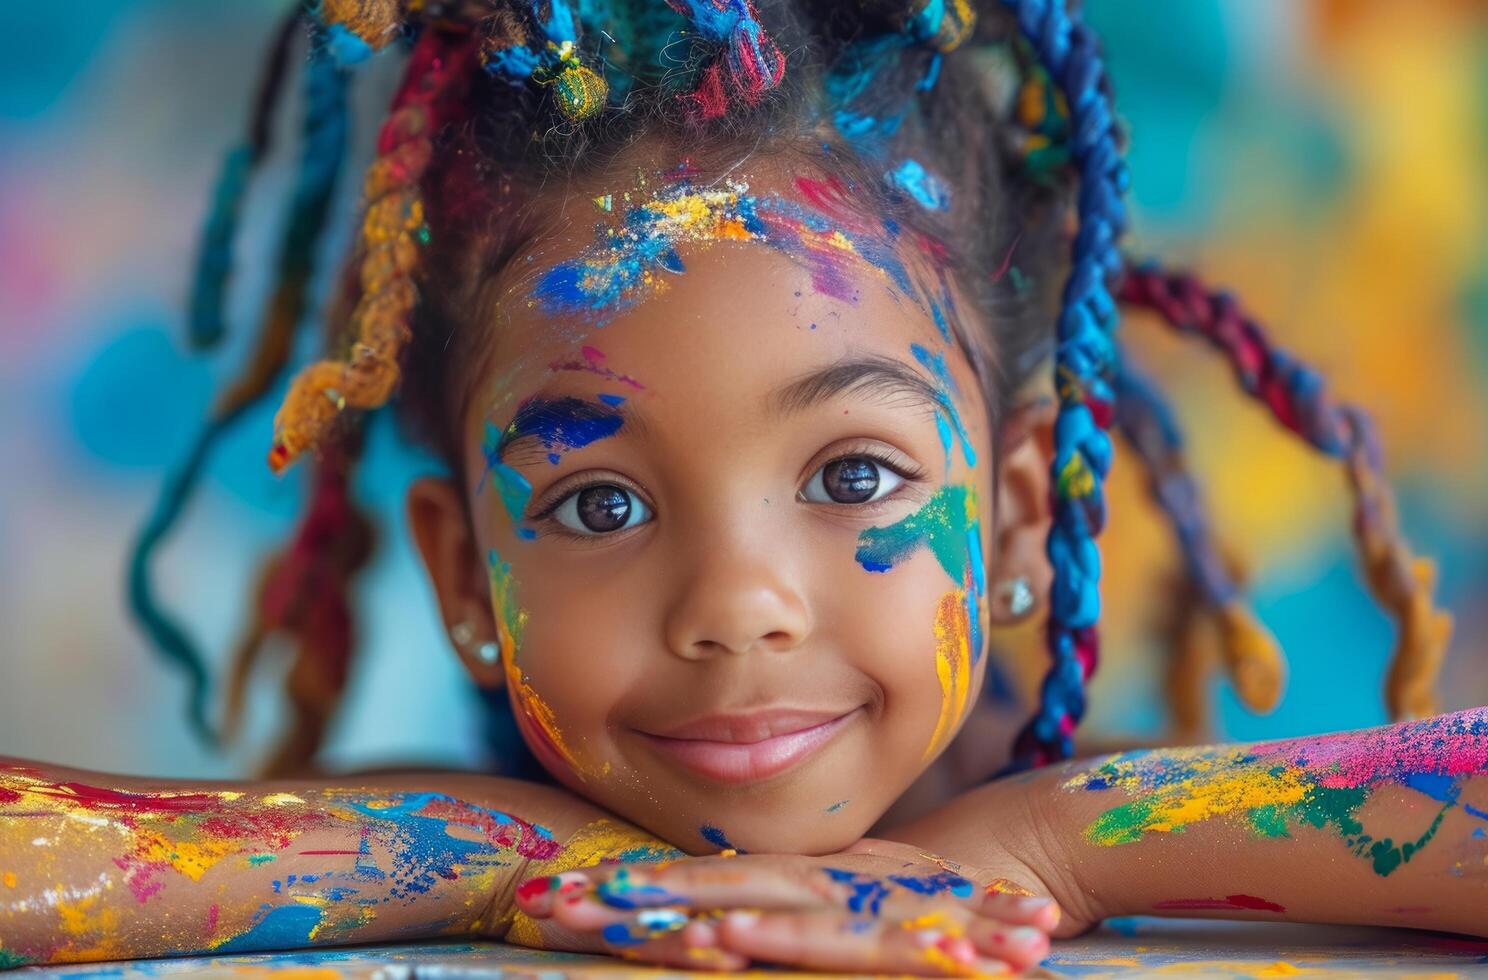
(1384, 826)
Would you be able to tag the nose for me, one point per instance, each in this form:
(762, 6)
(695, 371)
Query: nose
(738, 596)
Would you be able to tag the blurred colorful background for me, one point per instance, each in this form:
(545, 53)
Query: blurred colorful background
(1327, 159)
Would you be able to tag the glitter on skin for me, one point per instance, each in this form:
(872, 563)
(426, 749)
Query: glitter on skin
(953, 659)
(630, 261)
(1271, 787)
(409, 844)
(511, 621)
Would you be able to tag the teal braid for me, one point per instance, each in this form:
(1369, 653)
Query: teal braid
(1085, 364)
(324, 144)
(214, 253)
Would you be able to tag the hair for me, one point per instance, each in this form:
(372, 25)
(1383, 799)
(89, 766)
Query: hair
(1003, 104)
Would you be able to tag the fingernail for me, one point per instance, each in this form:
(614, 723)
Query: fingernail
(741, 918)
(992, 968)
(1031, 903)
(1025, 936)
(533, 887)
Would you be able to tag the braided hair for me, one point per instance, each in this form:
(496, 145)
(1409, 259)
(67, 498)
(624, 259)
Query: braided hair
(1002, 105)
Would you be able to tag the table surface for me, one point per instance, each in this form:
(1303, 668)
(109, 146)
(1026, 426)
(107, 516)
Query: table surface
(1119, 948)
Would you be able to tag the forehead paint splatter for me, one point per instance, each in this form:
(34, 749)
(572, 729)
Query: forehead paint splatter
(947, 419)
(1271, 787)
(628, 262)
(593, 361)
(562, 424)
(542, 723)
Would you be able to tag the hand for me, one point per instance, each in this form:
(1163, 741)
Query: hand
(880, 906)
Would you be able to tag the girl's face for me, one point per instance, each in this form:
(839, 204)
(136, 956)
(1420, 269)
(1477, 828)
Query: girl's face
(731, 515)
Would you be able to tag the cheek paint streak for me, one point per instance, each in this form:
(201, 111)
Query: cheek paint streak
(1271, 787)
(952, 666)
(511, 620)
(715, 836)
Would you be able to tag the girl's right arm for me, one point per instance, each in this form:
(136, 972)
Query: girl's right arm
(104, 867)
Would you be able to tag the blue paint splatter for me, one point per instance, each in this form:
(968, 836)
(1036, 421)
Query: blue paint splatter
(836, 806)
(614, 401)
(865, 892)
(1438, 786)
(284, 927)
(716, 837)
(947, 418)
(927, 190)
(943, 881)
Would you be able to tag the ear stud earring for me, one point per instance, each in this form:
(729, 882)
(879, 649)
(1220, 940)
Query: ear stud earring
(462, 633)
(488, 652)
(1017, 594)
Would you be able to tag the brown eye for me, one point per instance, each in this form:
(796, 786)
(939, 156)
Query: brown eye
(851, 480)
(601, 509)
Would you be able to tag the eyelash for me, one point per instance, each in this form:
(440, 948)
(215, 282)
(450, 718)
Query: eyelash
(889, 459)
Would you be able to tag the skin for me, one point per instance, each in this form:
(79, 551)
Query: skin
(726, 603)
(737, 595)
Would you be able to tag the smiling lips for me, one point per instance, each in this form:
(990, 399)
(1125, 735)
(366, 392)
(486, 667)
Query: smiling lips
(749, 748)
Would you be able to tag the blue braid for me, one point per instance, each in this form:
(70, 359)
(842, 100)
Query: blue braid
(214, 256)
(325, 134)
(553, 59)
(1086, 360)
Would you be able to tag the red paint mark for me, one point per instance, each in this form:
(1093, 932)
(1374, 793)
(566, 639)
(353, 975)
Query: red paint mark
(98, 798)
(1007, 260)
(594, 363)
(1246, 902)
(9, 796)
(533, 887)
(328, 852)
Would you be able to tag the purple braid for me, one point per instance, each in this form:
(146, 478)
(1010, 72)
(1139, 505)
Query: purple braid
(1296, 395)
(1085, 361)
(1251, 655)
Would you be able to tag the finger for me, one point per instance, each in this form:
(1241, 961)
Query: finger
(692, 946)
(537, 896)
(1021, 910)
(722, 883)
(935, 944)
(1021, 947)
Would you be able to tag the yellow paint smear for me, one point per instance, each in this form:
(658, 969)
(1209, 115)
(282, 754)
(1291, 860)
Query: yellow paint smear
(952, 665)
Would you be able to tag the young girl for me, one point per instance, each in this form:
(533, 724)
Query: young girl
(729, 319)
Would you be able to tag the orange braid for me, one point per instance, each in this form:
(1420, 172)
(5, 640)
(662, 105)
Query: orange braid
(392, 229)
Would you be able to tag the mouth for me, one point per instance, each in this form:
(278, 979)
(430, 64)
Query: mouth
(749, 748)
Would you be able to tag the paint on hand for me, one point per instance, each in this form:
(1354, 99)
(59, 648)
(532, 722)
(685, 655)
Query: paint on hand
(649, 924)
(1272, 787)
(625, 889)
(598, 843)
(632, 260)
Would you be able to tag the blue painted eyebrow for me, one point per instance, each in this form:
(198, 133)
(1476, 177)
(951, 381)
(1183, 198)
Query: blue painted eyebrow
(562, 424)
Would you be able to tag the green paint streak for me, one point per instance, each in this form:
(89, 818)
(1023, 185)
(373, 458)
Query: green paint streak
(9, 960)
(1386, 857)
(1323, 806)
(941, 525)
(513, 487)
(257, 859)
(1269, 821)
(504, 597)
(1122, 824)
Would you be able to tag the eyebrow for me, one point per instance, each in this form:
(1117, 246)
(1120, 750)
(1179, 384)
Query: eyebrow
(564, 423)
(875, 377)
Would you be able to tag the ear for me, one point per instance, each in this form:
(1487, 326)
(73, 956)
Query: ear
(446, 540)
(1023, 516)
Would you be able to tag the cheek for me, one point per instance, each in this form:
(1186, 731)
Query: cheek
(560, 671)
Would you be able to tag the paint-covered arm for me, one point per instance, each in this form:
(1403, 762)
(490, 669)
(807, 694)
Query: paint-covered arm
(1384, 826)
(107, 867)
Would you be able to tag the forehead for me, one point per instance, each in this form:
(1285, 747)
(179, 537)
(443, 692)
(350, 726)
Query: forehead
(726, 286)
